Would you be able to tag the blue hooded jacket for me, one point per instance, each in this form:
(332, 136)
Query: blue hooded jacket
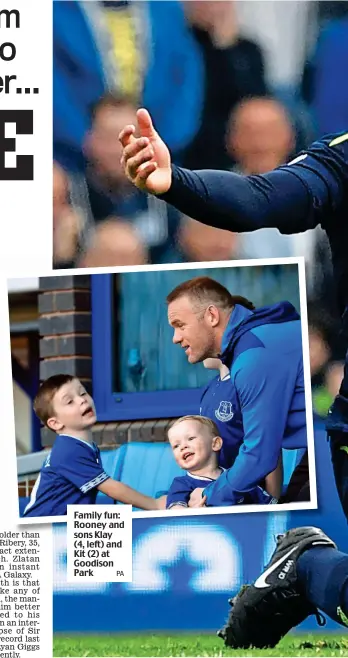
(263, 350)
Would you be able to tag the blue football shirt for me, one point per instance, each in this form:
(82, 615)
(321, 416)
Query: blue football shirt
(218, 402)
(182, 487)
(69, 476)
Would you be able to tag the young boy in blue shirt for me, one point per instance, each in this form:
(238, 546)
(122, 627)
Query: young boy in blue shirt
(196, 444)
(73, 473)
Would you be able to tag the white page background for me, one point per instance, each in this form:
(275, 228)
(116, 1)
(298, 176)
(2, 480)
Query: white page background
(26, 245)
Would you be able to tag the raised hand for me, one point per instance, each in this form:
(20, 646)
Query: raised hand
(146, 159)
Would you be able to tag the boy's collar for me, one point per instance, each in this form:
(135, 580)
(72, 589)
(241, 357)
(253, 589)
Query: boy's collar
(88, 443)
(203, 477)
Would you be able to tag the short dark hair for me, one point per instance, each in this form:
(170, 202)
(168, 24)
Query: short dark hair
(203, 289)
(43, 403)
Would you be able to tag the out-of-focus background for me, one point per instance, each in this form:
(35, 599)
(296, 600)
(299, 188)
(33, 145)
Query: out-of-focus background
(231, 84)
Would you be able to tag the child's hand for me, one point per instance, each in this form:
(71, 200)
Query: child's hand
(161, 502)
(196, 498)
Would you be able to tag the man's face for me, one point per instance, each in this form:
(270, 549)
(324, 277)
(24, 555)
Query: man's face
(193, 328)
(60, 191)
(192, 444)
(103, 146)
(73, 408)
(319, 351)
(261, 137)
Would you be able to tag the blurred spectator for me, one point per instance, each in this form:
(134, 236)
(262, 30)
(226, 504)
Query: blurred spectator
(234, 70)
(126, 25)
(333, 379)
(205, 243)
(67, 223)
(324, 395)
(142, 49)
(159, 64)
(156, 231)
(319, 348)
(321, 288)
(326, 371)
(83, 70)
(158, 225)
(322, 293)
(174, 82)
(158, 53)
(285, 31)
(114, 243)
(110, 192)
(103, 152)
(260, 137)
(329, 79)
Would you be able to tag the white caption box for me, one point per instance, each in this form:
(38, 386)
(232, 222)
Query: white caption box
(99, 543)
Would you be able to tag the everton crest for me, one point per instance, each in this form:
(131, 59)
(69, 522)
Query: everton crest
(224, 412)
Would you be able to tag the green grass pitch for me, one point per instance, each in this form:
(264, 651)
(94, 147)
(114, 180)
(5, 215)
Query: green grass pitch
(193, 645)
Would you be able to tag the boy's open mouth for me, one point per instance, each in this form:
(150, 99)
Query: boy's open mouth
(188, 455)
(87, 411)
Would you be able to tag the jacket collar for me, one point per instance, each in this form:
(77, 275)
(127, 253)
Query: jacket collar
(238, 315)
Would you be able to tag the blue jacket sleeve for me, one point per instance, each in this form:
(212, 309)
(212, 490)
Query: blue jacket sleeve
(225, 496)
(259, 496)
(292, 198)
(265, 389)
(179, 493)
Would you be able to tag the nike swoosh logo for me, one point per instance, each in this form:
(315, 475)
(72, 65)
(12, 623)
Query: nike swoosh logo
(344, 449)
(342, 616)
(261, 581)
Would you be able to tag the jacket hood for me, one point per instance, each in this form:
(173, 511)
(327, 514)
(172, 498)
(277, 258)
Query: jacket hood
(242, 320)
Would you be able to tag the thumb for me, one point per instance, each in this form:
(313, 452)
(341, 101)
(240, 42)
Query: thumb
(145, 124)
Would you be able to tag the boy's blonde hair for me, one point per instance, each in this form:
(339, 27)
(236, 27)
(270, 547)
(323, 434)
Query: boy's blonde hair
(43, 403)
(203, 420)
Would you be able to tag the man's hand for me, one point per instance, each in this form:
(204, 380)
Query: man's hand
(146, 159)
(196, 499)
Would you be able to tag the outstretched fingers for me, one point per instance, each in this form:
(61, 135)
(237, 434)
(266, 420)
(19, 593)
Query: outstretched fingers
(126, 135)
(144, 171)
(136, 154)
(145, 123)
(135, 146)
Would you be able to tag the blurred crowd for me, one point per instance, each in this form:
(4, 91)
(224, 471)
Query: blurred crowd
(230, 84)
